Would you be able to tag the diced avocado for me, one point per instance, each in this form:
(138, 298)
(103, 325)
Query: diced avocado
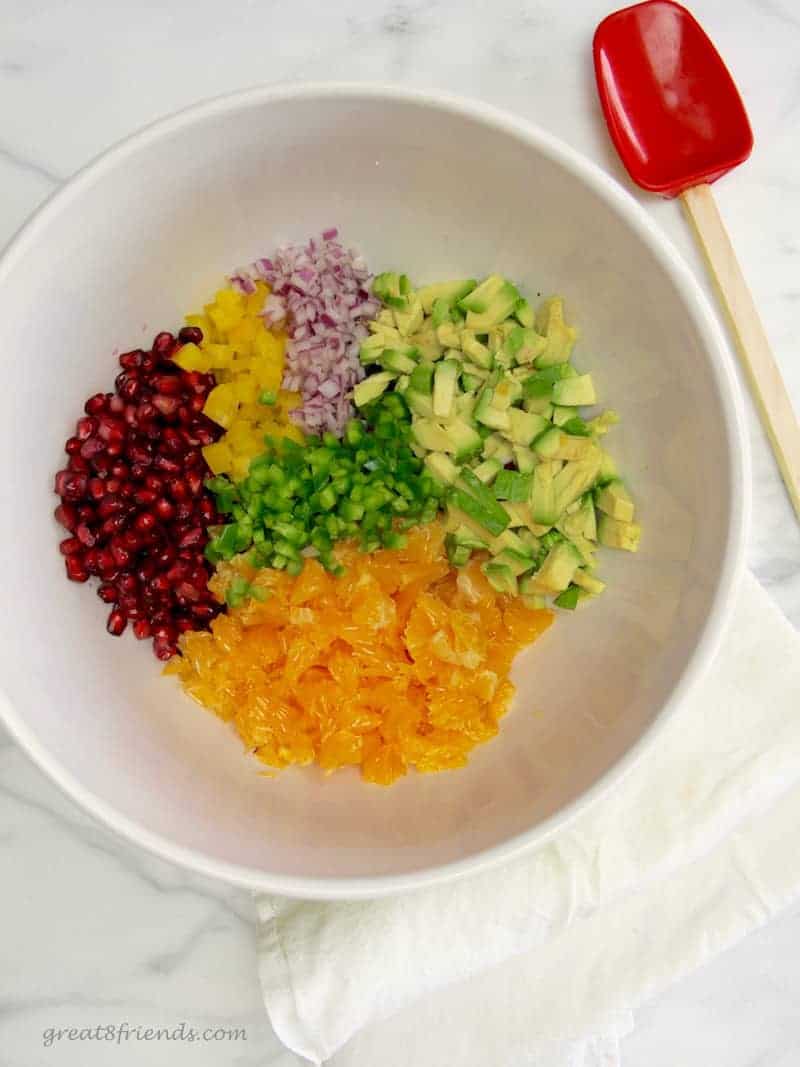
(543, 498)
(488, 470)
(569, 599)
(419, 403)
(394, 360)
(539, 405)
(448, 335)
(440, 313)
(507, 539)
(465, 441)
(383, 318)
(533, 345)
(586, 549)
(500, 576)
(409, 319)
(470, 382)
(603, 423)
(575, 392)
(524, 458)
(519, 562)
(421, 380)
(588, 582)
(442, 468)
(555, 444)
(466, 503)
(485, 497)
(576, 477)
(498, 309)
(431, 435)
(466, 536)
(497, 447)
(514, 341)
(488, 415)
(575, 426)
(401, 384)
(562, 415)
(519, 514)
(371, 388)
(481, 297)
(608, 468)
(581, 522)
(560, 337)
(451, 292)
(525, 426)
(613, 533)
(458, 555)
(477, 352)
(513, 486)
(530, 540)
(393, 289)
(506, 392)
(427, 343)
(523, 313)
(531, 586)
(445, 379)
(559, 566)
(615, 500)
(533, 603)
(464, 406)
(370, 349)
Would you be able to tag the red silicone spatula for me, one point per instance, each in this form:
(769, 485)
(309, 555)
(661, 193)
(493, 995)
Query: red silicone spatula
(678, 123)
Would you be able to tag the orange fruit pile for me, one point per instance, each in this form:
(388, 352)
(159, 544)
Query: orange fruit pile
(401, 661)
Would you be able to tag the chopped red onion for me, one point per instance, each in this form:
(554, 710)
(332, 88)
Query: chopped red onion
(322, 289)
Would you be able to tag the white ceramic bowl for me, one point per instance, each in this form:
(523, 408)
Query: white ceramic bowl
(436, 187)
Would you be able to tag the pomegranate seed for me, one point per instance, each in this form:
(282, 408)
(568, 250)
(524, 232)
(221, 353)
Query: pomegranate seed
(169, 384)
(117, 621)
(145, 497)
(147, 569)
(172, 441)
(145, 521)
(163, 343)
(164, 649)
(188, 592)
(194, 380)
(164, 630)
(86, 427)
(122, 555)
(146, 412)
(138, 472)
(73, 446)
(141, 629)
(127, 386)
(127, 583)
(197, 403)
(127, 490)
(184, 511)
(131, 360)
(165, 405)
(78, 463)
(76, 569)
(106, 564)
(190, 335)
(159, 585)
(86, 513)
(208, 511)
(91, 560)
(86, 536)
(111, 504)
(178, 489)
(95, 404)
(92, 447)
(203, 612)
(183, 624)
(121, 470)
(107, 593)
(177, 572)
(131, 540)
(67, 516)
(191, 538)
(97, 488)
(164, 463)
(195, 483)
(204, 436)
(102, 463)
(164, 509)
(165, 557)
(112, 525)
(154, 482)
(70, 546)
(140, 453)
(71, 485)
(110, 429)
(116, 405)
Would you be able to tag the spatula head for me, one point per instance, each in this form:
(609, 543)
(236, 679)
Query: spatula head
(671, 106)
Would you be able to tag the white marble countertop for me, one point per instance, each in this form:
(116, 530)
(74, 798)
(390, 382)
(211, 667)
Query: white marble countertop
(94, 931)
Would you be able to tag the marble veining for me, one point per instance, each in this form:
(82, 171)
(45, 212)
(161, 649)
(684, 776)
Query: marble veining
(94, 931)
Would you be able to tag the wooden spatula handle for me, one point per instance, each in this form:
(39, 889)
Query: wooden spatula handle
(766, 383)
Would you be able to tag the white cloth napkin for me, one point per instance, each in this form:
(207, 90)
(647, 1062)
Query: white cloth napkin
(540, 963)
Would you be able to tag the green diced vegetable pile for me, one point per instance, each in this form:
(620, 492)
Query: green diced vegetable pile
(496, 417)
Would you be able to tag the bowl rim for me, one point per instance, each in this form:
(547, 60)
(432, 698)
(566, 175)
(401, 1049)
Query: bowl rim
(722, 369)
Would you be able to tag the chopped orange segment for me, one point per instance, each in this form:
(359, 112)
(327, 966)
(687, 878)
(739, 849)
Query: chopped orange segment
(401, 662)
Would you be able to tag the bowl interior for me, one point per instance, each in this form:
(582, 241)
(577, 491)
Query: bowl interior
(435, 191)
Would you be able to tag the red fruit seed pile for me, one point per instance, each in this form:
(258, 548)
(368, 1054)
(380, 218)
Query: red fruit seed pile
(133, 499)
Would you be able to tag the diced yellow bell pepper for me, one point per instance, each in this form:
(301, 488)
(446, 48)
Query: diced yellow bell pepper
(219, 457)
(254, 302)
(190, 357)
(243, 333)
(205, 324)
(221, 404)
(246, 389)
(230, 299)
